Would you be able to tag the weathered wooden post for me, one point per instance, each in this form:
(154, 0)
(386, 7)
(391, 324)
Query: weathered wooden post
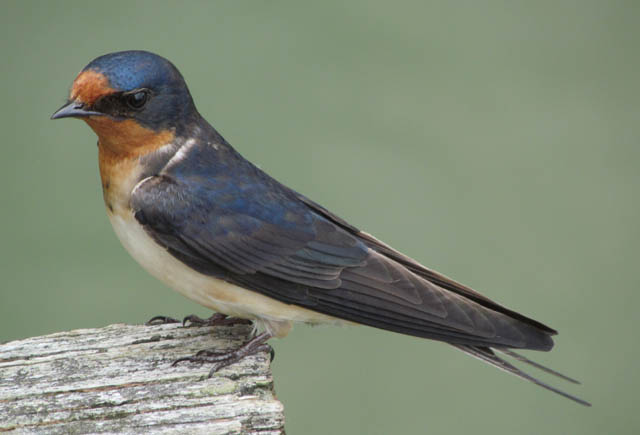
(119, 379)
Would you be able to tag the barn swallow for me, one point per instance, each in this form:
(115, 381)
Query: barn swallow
(210, 224)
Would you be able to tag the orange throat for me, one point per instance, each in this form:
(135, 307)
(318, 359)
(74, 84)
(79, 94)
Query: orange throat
(120, 146)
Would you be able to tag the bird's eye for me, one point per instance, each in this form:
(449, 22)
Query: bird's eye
(137, 100)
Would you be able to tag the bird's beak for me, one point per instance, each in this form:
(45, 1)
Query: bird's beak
(74, 109)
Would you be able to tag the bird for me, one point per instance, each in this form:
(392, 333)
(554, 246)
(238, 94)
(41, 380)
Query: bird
(213, 226)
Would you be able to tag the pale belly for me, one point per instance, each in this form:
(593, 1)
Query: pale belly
(213, 293)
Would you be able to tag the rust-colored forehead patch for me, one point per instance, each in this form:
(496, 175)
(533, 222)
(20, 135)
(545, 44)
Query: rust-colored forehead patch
(89, 86)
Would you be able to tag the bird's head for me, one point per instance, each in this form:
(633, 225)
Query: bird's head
(131, 99)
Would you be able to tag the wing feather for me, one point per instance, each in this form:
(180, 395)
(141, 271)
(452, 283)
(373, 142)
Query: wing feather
(258, 234)
(316, 264)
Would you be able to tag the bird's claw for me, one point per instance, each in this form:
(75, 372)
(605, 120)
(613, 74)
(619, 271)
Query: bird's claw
(161, 320)
(224, 359)
(217, 319)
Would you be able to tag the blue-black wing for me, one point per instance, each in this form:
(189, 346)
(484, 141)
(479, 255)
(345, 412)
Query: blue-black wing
(224, 217)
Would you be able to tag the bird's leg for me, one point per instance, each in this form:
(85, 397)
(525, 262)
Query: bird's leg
(216, 319)
(223, 359)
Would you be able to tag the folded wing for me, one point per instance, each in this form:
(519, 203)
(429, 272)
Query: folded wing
(286, 250)
(250, 230)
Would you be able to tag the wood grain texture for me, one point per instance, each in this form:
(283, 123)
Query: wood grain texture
(119, 379)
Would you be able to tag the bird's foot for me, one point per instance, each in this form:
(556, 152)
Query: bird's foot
(216, 319)
(161, 320)
(224, 359)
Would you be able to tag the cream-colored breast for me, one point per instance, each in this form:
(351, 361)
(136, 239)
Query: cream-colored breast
(216, 294)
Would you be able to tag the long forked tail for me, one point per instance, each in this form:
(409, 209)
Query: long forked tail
(487, 355)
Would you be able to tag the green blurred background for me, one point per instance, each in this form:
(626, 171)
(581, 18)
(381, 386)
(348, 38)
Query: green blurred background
(497, 142)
